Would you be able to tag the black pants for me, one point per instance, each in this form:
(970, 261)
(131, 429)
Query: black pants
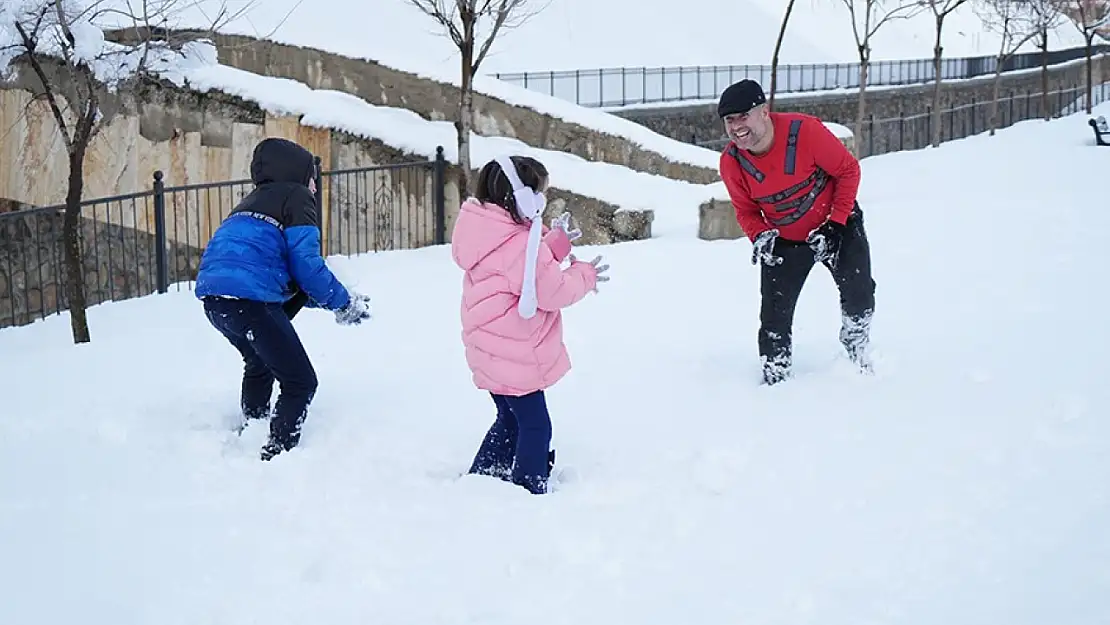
(264, 336)
(781, 285)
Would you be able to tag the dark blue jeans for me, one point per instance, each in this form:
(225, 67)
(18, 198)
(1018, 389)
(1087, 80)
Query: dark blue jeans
(264, 335)
(516, 446)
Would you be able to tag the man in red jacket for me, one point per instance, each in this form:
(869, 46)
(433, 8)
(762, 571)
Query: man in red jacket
(793, 185)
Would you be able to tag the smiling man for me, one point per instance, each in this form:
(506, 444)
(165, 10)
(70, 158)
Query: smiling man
(793, 185)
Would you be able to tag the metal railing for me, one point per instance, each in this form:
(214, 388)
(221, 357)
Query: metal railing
(913, 132)
(624, 86)
(147, 242)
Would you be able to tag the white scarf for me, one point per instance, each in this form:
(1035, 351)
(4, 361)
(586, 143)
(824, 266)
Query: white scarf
(530, 205)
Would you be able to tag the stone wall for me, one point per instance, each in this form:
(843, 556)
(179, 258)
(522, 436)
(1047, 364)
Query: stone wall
(119, 263)
(897, 117)
(205, 141)
(435, 100)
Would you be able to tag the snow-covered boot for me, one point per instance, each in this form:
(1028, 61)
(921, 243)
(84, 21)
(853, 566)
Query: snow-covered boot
(279, 442)
(271, 449)
(855, 335)
(776, 369)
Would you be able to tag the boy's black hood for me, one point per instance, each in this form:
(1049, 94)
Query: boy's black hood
(281, 160)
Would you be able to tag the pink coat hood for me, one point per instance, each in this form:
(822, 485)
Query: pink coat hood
(508, 354)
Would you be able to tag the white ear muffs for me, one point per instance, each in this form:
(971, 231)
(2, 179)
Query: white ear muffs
(530, 204)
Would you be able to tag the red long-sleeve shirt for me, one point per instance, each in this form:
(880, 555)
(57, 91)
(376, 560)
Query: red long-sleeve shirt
(769, 196)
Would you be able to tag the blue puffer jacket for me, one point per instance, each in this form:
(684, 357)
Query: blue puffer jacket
(270, 243)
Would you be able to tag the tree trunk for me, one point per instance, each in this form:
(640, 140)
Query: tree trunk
(1044, 75)
(71, 243)
(994, 96)
(1089, 36)
(463, 123)
(775, 56)
(861, 103)
(937, 52)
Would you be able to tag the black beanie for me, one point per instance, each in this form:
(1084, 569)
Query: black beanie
(740, 97)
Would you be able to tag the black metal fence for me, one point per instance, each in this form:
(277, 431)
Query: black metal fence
(913, 132)
(147, 242)
(622, 86)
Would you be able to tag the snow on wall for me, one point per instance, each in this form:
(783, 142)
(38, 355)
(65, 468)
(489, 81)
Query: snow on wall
(405, 130)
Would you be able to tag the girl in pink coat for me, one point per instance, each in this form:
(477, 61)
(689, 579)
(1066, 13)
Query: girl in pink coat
(513, 291)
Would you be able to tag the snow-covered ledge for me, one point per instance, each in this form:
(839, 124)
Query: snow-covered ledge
(845, 135)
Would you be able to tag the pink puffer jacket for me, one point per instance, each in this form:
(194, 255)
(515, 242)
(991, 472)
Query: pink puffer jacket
(508, 354)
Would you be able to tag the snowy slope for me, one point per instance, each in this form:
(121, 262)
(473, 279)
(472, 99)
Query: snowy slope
(964, 484)
(674, 201)
(591, 34)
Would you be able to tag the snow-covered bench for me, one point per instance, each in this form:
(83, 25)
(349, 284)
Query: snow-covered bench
(1101, 128)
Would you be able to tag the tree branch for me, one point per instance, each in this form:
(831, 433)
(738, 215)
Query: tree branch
(31, 46)
(437, 10)
(902, 11)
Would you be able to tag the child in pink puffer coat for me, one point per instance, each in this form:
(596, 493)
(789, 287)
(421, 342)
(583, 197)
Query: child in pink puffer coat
(512, 327)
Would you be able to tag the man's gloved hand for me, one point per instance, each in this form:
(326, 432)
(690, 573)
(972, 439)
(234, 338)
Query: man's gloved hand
(355, 312)
(562, 222)
(763, 248)
(825, 242)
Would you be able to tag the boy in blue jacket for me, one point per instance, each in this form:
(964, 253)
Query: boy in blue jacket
(263, 255)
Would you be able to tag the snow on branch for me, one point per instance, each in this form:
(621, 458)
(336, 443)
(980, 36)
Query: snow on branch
(71, 32)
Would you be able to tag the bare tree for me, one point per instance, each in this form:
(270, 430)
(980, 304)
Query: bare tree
(1044, 17)
(775, 56)
(1012, 21)
(1089, 17)
(76, 73)
(462, 19)
(868, 16)
(940, 10)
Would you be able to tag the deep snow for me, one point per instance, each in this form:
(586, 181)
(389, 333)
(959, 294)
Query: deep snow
(964, 483)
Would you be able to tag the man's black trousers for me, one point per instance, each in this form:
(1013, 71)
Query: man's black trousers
(781, 285)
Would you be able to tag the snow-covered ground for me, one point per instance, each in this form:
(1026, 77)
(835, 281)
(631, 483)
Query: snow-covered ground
(965, 483)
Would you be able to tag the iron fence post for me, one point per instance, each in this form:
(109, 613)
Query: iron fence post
(319, 185)
(323, 218)
(440, 183)
(160, 260)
